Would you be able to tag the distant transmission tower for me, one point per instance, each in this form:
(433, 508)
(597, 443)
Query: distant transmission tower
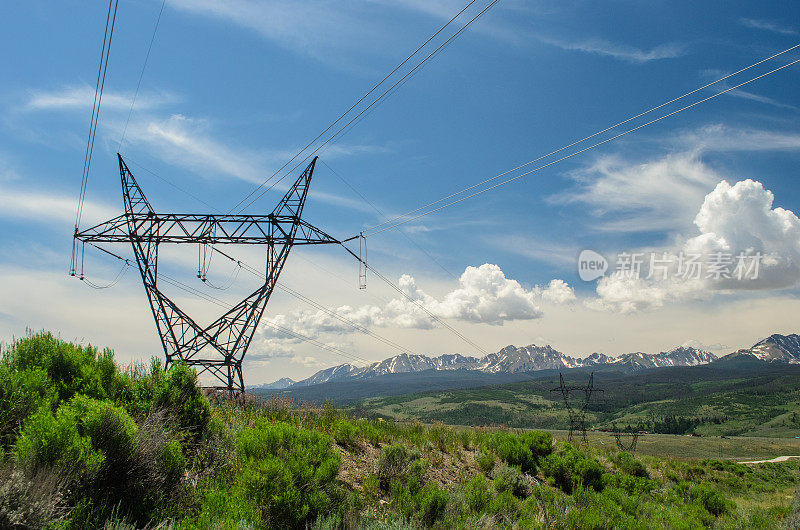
(577, 414)
(219, 348)
(626, 441)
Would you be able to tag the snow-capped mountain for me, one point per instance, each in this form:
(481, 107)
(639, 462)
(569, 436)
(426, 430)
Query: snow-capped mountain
(777, 349)
(402, 363)
(510, 359)
(280, 384)
(680, 356)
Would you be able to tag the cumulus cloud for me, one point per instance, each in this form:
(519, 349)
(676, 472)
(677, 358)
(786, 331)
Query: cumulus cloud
(743, 244)
(484, 295)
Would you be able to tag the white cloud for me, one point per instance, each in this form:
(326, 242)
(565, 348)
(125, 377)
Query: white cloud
(81, 97)
(767, 26)
(722, 138)
(619, 51)
(558, 292)
(48, 207)
(484, 295)
(660, 195)
(189, 143)
(733, 220)
(324, 30)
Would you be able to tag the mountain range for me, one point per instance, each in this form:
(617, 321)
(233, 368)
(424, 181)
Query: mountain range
(776, 348)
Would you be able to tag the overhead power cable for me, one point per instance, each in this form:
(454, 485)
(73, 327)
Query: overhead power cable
(317, 305)
(214, 300)
(404, 218)
(354, 105)
(105, 51)
(241, 206)
(380, 213)
(141, 75)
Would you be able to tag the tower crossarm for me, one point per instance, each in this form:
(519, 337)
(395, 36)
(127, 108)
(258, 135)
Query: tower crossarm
(210, 229)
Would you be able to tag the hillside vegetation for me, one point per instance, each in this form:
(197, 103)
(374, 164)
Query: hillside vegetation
(750, 399)
(86, 444)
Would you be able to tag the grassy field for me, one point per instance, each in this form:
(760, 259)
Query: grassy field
(738, 448)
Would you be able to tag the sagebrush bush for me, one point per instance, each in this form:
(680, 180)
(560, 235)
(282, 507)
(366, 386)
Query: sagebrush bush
(522, 450)
(507, 478)
(398, 462)
(35, 502)
(22, 393)
(54, 441)
(176, 390)
(710, 499)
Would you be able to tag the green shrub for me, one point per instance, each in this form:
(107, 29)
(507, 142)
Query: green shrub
(507, 478)
(22, 393)
(55, 441)
(711, 499)
(177, 391)
(287, 472)
(511, 449)
(345, 433)
(431, 502)
(476, 493)
(630, 465)
(570, 467)
(540, 443)
(485, 462)
(72, 369)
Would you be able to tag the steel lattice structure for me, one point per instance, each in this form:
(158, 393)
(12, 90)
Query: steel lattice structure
(577, 415)
(633, 439)
(220, 347)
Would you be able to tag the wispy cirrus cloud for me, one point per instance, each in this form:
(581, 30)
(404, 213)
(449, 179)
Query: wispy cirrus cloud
(188, 142)
(332, 32)
(81, 97)
(618, 51)
(16, 203)
(661, 194)
(718, 137)
(766, 26)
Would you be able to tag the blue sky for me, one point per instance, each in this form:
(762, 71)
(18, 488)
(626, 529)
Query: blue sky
(233, 89)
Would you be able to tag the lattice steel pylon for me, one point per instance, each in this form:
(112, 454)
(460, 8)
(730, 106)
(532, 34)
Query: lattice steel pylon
(220, 347)
(632, 437)
(577, 415)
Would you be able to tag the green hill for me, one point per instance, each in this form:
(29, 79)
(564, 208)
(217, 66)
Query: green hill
(739, 397)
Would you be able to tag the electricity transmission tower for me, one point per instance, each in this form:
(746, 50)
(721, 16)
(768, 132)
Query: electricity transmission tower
(623, 445)
(219, 348)
(575, 408)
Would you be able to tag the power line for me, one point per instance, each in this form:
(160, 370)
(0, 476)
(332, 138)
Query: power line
(214, 300)
(354, 105)
(320, 307)
(387, 91)
(141, 74)
(105, 51)
(379, 212)
(392, 223)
